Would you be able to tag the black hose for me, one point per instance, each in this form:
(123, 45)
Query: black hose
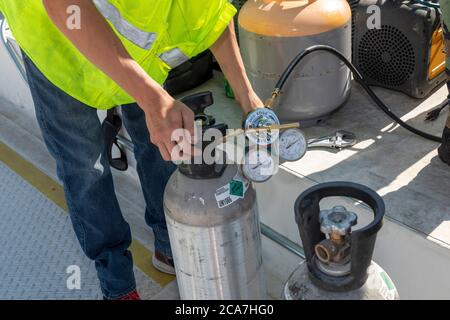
(359, 78)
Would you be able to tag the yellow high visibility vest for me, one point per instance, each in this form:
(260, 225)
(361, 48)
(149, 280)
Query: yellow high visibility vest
(158, 34)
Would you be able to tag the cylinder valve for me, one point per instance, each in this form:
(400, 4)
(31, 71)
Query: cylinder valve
(333, 252)
(338, 256)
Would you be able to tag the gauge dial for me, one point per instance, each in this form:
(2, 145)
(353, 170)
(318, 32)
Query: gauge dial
(292, 145)
(258, 166)
(261, 118)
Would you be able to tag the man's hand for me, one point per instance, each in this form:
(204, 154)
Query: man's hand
(162, 122)
(250, 102)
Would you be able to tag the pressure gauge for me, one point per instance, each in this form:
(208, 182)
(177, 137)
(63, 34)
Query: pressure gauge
(292, 145)
(261, 118)
(258, 165)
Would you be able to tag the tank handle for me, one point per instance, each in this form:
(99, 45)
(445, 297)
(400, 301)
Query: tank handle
(307, 211)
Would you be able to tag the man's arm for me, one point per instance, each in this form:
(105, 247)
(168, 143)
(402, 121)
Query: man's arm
(98, 43)
(226, 51)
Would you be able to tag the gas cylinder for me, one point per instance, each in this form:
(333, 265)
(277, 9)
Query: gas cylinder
(273, 32)
(213, 223)
(338, 262)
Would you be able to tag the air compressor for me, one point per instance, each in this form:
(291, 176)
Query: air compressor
(338, 262)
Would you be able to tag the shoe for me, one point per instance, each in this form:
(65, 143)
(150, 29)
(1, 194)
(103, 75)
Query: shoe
(133, 295)
(444, 149)
(163, 263)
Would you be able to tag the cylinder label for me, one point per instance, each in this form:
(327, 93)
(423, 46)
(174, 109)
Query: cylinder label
(232, 192)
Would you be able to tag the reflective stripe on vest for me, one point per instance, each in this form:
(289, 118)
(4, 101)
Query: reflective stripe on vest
(174, 58)
(137, 36)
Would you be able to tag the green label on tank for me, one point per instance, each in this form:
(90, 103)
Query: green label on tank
(232, 191)
(237, 188)
(387, 280)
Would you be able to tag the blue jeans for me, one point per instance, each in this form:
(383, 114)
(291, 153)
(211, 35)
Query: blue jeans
(73, 135)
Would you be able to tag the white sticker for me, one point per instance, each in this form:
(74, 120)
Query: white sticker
(232, 192)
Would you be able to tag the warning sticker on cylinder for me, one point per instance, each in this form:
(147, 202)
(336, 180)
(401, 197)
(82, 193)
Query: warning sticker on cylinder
(232, 192)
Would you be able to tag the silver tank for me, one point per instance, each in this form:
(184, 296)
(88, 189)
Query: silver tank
(217, 251)
(320, 84)
(378, 286)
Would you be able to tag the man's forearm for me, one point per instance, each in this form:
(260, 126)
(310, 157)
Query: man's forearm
(97, 42)
(226, 51)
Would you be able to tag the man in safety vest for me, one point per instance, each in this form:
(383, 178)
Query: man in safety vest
(84, 55)
(444, 149)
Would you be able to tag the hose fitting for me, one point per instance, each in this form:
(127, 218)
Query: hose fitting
(271, 101)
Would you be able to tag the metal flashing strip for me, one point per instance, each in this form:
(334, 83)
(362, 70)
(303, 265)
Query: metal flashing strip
(54, 192)
(40, 257)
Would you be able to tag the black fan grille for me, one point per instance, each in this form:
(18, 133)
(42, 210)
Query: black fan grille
(386, 56)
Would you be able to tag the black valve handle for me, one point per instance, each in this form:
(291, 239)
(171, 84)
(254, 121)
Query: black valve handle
(198, 102)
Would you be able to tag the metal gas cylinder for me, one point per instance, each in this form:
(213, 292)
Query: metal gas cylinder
(273, 32)
(338, 262)
(214, 230)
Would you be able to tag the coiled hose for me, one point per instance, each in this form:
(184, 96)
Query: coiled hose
(358, 77)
